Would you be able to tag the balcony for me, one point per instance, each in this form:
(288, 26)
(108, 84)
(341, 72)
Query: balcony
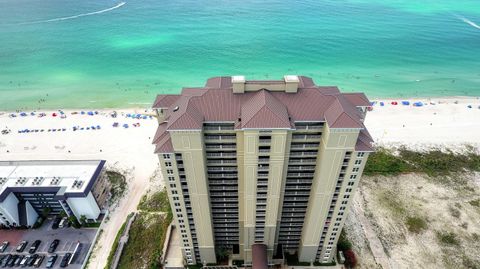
(223, 188)
(315, 127)
(222, 162)
(304, 146)
(264, 141)
(210, 147)
(303, 137)
(301, 168)
(299, 174)
(303, 154)
(221, 169)
(222, 182)
(290, 188)
(221, 154)
(218, 128)
(234, 175)
(220, 138)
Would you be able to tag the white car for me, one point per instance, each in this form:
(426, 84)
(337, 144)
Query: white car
(3, 246)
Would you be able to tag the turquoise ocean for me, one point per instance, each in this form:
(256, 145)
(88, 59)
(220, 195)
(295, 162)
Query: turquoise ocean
(104, 53)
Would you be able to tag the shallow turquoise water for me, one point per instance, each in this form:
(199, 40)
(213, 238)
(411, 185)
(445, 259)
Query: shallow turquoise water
(125, 55)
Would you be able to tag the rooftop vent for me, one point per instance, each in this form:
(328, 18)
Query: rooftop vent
(21, 181)
(3, 180)
(77, 184)
(176, 108)
(37, 181)
(55, 181)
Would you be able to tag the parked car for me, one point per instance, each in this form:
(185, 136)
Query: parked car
(65, 259)
(23, 261)
(34, 246)
(32, 259)
(5, 260)
(21, 247)
(63, 223)
(19, 260)
(53, 246)
(39, 261)
(51, 260)
(4, 246)
(11, 261)
(56, 222)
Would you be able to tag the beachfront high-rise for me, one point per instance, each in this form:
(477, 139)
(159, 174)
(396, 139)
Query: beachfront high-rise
(274, 163)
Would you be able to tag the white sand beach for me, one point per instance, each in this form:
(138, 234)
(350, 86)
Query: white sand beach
(450, 122)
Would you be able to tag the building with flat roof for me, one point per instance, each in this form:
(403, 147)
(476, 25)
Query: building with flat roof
(30, 188)
(251, 163)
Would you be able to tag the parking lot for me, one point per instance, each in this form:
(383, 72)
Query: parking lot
(69, 237)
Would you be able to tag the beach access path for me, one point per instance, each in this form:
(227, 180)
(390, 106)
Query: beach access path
(447, 123)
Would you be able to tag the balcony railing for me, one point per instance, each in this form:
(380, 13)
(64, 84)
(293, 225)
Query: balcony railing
(218, 128)
(234, 175)
(221, 154)
(296, 154)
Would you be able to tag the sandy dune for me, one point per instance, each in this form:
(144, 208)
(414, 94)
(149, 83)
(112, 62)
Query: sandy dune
(445, 123)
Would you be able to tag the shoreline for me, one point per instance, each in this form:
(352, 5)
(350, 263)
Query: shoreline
(137, 107)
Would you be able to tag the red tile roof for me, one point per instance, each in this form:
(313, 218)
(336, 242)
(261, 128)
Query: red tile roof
(260, 109)
(165, 100)
(263, 110)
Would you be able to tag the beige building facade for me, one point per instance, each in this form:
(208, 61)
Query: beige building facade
(261, 162)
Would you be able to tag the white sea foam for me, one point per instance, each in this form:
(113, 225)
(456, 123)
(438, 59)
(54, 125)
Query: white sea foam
(79, 15)
(471, 23)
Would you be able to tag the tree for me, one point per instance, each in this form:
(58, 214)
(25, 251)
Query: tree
(83, 219)
(73, 220)
(222, 253)
(350, 259)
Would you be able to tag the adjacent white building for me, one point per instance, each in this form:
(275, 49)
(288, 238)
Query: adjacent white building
(30, 188)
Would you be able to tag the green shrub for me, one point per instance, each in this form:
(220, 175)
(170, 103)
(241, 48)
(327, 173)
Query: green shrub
(475, 203)
(343, 243)
(448, 238)
(118, 184)
(434, 162)
(415, 224)
(157, 202)
(383, 162)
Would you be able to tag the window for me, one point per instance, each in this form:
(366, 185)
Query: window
(179, 216)
(169, 172)
(330, 243)
(360, 154)
(346, 196)
(342, 208)
(340, 213)
(183, 231)
(329, 248)
(177, 204)
(339, 219)
(351, 183)
(171, 179)
(348, 190)
(168, 164)
(335, 229)
(173, 186)
(336, 224)
(175, 198)
(166, 156)
(178, 210)
(353, 176)
(181, 221)
(344, 202)
(358, 162)
(174, 192)
(355, 169)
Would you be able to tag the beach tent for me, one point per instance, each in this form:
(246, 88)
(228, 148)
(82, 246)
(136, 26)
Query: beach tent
(418, 104)
(382, 103)
(405, 103)
(394, 103)
(23, 114)
(90, 113)
(125, 125)
(54, 114)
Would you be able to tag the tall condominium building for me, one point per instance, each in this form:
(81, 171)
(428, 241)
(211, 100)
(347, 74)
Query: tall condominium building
(274, 163)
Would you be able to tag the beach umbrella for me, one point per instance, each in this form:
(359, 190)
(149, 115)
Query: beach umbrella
(54, 114)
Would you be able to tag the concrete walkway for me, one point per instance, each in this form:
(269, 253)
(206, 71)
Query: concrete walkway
(174, 254)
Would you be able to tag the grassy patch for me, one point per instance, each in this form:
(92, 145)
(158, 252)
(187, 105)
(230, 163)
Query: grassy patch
(146, 237)
(434, 162)
(454, 212)
(416, 224)
(448, 238)
(392, 202)
(157, 202)
(111, 255)
(384, 162)
(475, 202)
(118, 185)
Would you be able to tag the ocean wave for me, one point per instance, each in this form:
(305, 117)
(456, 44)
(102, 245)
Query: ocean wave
(79, 15)
(467, 21)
